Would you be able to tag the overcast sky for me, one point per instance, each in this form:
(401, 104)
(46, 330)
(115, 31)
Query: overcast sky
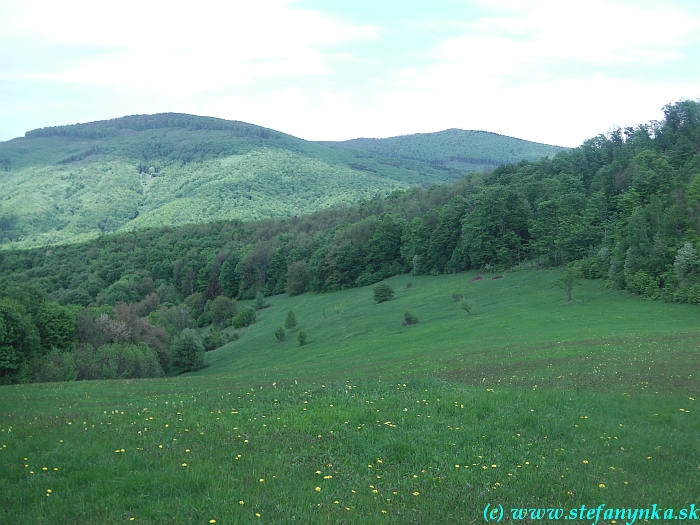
(552, 71)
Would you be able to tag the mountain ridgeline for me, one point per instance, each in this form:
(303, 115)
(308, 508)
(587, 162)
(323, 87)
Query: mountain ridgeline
(623, 207)
(70, 183)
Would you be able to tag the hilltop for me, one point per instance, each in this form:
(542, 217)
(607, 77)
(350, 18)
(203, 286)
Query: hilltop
(71, 183)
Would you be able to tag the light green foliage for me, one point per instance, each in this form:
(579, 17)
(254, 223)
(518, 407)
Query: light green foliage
(279, 334)
(383, 292)
(260, 302)
(466, 305)
(187, 351)
(290, 321)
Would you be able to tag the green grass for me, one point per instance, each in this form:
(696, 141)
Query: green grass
(525, 402)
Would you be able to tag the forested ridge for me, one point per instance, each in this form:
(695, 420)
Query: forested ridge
(67, 184)
(624, 207)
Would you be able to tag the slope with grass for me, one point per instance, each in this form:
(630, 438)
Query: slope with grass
(70, 183)
(525, 402)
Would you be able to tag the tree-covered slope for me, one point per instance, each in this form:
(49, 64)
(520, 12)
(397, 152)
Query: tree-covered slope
(459, 149)
(71, 183)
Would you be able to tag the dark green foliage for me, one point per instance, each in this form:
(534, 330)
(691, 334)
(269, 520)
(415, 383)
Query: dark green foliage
(383, 292)
(19, 339)
(187, 351)
(291, 321)
(222, 310)
(409, 319)
(457, 297)
(297, 278)
(279, 334)
(212, 341)
(567, 282)
(245, 317)
(301, 337)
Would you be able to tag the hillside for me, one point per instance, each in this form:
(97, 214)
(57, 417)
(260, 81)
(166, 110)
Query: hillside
(523, 401)
(71, 183)
(457, 149)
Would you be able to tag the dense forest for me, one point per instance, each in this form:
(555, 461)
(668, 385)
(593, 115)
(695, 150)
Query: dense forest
(68, 184)
(624, 207)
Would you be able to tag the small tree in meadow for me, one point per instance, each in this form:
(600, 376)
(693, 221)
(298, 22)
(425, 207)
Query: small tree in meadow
(383, 293)
(409, 319)
(279, 334)
(291, 321)
(466, 306)
(301, 337)
(245, 317)
(187, 351)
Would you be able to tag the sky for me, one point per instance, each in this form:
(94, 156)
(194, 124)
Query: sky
(551, 71)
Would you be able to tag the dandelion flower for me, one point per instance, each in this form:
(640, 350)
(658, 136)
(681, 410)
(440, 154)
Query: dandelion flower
(212, 521)
(601, 486)
(262, 479)
(318, 489)
(585, 462)
(184, 464)
(416, 493)
(241, 502)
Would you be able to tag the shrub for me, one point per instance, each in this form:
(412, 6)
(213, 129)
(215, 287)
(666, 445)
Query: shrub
(279, 334)
(383, 293)
(291, 321)
(222, 309)
(466, 306)
(409, 319)
(187, 351)
(301, 337)
(212, 341)
(245, 317)
(408, 285)
(260, 303)
(457, 297)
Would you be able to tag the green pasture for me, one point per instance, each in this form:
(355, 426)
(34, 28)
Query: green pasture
(523, 402)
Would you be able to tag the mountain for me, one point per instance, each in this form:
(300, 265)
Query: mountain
(456, 149)
(71, 183)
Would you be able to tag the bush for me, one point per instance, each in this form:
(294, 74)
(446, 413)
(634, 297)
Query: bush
(291, 321)
(223, 309)
(383, 293)
(409, 319)
(187, 351)
(408, 285)
(245, 317)
(260, 303)
(457, 297)
(466, 306)
(212, 341)
(301, 337)
(279, 334)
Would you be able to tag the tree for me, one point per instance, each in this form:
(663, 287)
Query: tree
(260, 303)
(187, 351)
(297, 278)
(383, 292)
(279, 334)
(291, 321)
(567, 282)
(222, 309)
(301, 337)
(245, 317)
(466, 306)
(409, 319)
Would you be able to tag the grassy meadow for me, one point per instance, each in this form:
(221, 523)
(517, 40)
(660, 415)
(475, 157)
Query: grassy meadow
(523, 402)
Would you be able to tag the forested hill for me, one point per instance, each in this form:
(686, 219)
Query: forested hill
(459, 149)
(623, 207)
(71, 183)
